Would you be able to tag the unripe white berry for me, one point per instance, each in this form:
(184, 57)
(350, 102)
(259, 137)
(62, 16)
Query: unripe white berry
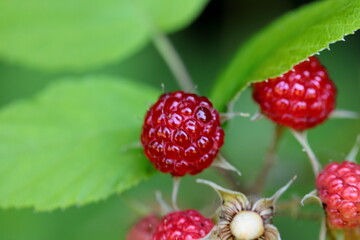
(247, 225)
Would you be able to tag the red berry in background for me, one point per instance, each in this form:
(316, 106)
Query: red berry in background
(144, 229)
(182, 133)
(339, 189)
(183, 225)
(301, 99)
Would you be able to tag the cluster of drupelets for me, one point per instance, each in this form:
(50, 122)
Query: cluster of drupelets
(182, 134)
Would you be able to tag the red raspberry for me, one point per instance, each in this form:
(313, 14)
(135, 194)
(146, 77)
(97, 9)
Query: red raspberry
(301, 99)
(339, 190)
(144, 229)
(183, 225)
(182, 133)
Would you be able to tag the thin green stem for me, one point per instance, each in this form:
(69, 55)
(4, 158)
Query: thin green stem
(164, 207)
(301, 136)
(269, 161)
(354, 151)
(339, 113)
(224, 117)
(173, 60)
(175, 191)
(322, 234)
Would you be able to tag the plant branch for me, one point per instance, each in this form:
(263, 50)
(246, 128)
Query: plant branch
(302, 139)
(173, 60)
(269, 161)
(354, 151)
(164, 207)
(175, 191)
(322, 233)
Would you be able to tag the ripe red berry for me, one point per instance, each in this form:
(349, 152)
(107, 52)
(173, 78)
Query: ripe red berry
(182, 133)
(144, 229)
(183, 225)
(339, 190)
(301, 99)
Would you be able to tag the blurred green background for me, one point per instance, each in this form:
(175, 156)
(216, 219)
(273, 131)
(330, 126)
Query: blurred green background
(206, 47)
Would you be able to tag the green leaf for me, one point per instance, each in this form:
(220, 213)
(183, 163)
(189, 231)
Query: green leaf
(77, 35)
(69, 144)
(288, 41)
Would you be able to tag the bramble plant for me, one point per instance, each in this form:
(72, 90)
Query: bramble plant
(96, 132)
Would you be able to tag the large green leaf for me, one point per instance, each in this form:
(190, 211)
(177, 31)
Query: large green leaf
(286, 42)
(76, 35)
(68, 145)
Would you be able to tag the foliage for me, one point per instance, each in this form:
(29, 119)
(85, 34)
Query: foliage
(79, 35)
(73, 143)
(285, 43)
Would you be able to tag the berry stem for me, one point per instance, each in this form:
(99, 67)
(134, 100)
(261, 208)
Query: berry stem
(176, 185)
(165, 208)
(322, 234)
(351, 157)
(173, 60)
(269, 161)
(228, 116)
(231, 103)
(257, 116)
(340, 113)
(301, 137)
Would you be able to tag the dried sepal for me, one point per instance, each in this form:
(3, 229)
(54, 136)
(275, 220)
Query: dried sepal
(265, 206)
(239, 219)
(271, 233)
(280, 192)
(228, 197)
(311, 197)
(221, 162)
(215, 216)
